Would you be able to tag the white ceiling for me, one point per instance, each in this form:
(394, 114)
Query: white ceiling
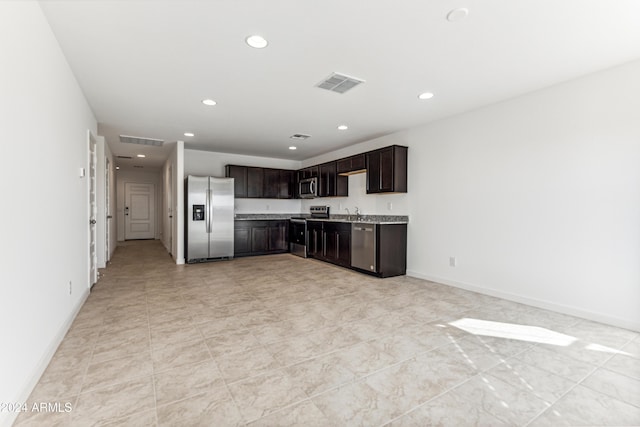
(145, 65)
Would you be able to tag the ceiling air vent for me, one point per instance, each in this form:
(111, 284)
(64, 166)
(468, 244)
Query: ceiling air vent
(299, 136)
(138, 166)
(141, 141)
(124, 157)
(339, 83)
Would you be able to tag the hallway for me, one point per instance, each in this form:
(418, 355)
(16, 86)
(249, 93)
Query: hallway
(280, 340)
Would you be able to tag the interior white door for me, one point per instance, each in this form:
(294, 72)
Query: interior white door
(93, 211)
(139, 211)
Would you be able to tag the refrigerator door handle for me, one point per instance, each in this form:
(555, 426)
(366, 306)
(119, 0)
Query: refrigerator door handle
(209, 209)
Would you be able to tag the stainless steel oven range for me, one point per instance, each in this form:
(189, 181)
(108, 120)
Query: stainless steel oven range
(298, 236)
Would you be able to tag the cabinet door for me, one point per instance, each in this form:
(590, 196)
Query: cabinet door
(259, 239)
(373, 172)
(241, 240)
(327, 180)
(337, 239)
(358, 163)
(343, 245)
(239, 175)
(278, 237)
(351, 164)
(344, 165)
(386, 170)
(271, 188)
(286, 184)
(314, 248)
(380, 171)
(330, 240)
(255, 180)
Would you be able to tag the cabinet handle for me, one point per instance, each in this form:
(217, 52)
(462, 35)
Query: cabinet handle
(337, 246)
(324, 244)
(315, 241)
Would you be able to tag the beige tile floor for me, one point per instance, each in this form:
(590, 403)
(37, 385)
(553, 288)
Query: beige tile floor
(283, 341)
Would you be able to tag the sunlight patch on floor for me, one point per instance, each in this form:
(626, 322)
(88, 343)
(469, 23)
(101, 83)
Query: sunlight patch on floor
(513, 331)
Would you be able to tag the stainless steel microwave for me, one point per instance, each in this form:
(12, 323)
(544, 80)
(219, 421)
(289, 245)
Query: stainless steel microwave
(308, 188)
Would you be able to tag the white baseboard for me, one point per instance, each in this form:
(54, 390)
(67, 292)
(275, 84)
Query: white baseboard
(547, 305)
(7, 418)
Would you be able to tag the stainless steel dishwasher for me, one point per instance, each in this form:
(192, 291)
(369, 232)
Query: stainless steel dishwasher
(363, 246)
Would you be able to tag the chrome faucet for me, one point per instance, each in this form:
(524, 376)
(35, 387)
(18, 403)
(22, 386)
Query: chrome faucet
(358, 216)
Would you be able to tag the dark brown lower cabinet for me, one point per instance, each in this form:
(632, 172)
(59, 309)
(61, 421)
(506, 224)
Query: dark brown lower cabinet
(260, 237)
(391, 250)
(331, 241)
(337, 243)
(315, 247)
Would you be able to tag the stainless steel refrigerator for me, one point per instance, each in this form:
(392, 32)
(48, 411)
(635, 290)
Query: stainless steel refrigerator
(209, 218)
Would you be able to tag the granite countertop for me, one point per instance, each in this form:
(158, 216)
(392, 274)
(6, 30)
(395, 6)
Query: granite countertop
(373, 219)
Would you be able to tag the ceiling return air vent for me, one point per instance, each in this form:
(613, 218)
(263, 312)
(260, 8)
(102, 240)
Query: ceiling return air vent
(300, 136)
(141, 141)
(124, 157)
(339, 83)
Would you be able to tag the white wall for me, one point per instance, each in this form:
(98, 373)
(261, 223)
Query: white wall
(210, 163)
(172, 211)
(44, 119)
(139, 177)
(537, 197)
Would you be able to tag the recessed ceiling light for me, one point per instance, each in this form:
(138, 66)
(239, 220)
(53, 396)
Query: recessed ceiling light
(343, 127)
(209, 102)
(189, 134)
(457, 14)
(293, 147)
(117, 167)
(425, 95)
(141, 155)
(256, 41)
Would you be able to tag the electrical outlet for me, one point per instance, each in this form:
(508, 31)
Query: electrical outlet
(390, 206)
(70, 287)
(452, 261)
(267, 207)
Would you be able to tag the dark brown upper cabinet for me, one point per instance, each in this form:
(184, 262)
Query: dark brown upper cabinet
(330, 184)
(266, 183)
(352, 165)
(255, 182)
(239, 175)
(387, 170)
(271, 185)
(286, 184)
